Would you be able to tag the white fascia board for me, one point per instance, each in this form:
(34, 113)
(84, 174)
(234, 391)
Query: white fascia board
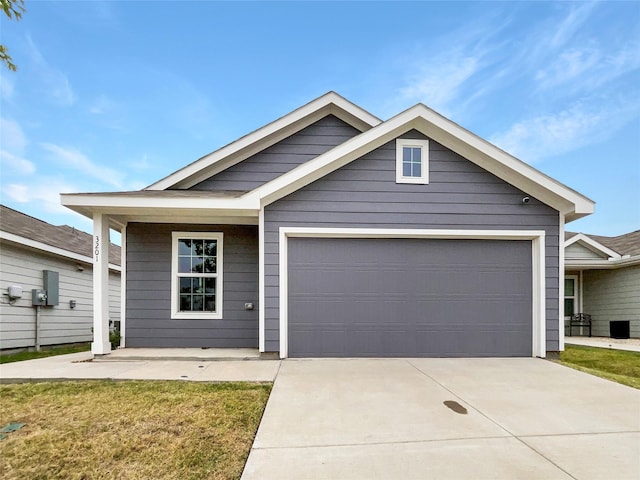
(503, 165)
(133, 202)
(335, 158)
(27, 242)
(592, 245)
(487, 156)
(266, 136)
(586, 264)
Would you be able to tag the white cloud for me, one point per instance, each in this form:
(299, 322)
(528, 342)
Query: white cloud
(588, 68)
(570, 65)
(45, 192)
(75, 160)
(6, 88)
(549, 135)
(439, 83)
(56, 84)
(101, 105)
(14, 164)
(571, 23)
(12, 138)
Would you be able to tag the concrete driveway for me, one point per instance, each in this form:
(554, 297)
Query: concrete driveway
(386, 419)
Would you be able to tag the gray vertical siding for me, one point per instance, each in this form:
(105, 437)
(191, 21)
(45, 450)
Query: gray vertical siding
(612, 295)
(285, 155)
(149, 322)
(364, 194)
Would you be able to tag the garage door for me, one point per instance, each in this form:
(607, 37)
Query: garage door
(409, 298)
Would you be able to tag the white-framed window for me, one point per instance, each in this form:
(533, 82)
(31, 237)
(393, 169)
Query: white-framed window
(412, 161)
(196, 275)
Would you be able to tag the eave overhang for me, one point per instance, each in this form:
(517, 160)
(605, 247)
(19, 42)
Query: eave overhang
(165, 207)
(603, 264)
(568, 202)
(188, 206)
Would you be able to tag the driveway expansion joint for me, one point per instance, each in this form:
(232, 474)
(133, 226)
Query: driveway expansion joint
(396, 442)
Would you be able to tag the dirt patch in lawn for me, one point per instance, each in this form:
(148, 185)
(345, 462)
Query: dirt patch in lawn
(129, 430)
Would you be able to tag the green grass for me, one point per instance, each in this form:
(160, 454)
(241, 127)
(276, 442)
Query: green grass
(129, 429)
(617, 365)
(47, 352)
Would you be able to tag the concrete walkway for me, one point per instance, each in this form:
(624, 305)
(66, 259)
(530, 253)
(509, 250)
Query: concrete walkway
(373, 419)
(632, 344)
(81, 366)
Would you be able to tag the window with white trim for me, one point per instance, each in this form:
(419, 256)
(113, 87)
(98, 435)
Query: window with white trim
(196, 275)
(412, 161)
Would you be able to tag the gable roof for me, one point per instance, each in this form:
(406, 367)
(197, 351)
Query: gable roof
(627, 244)
(63, 240)
(623, 250)
(258, 140)
(449, 134)
(375, 133)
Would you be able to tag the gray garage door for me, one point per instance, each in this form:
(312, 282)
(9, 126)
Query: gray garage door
(409, 298)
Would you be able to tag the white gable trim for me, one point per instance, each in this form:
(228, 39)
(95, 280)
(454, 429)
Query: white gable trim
(489, 157)
(27, 242)
(592, 245)
(215, 162)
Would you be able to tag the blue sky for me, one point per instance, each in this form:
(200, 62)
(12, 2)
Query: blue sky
(115, 95)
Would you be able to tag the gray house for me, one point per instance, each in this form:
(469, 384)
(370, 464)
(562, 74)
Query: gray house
(329, 232)
(602, 279)
(33, 252)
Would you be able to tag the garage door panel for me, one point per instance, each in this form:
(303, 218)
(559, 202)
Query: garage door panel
(409, 297)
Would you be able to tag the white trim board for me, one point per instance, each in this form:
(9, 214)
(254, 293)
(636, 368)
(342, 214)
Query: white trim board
(235, 152)
(450, 135)
(487, 156)
(592, 245)
(537, 238)
(27, 242)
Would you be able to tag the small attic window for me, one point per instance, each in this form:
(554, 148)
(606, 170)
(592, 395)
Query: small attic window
(412, 161)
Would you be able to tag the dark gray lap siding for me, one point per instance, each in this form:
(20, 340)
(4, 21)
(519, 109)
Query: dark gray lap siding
(148, 316)
(363, 194)
(285, 155)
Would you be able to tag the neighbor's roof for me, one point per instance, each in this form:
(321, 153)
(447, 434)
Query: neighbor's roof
(627, 244)
(31, 231)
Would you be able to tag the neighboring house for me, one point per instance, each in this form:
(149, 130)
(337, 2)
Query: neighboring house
(33, 252)
(329, 232)
(602, 279)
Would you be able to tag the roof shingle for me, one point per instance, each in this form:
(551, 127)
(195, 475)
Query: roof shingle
(63, 236)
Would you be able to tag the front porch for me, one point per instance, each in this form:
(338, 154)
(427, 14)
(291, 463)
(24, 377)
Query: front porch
(186, 354)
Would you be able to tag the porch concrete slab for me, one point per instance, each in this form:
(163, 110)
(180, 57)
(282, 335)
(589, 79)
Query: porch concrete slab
(203, 354)
(529, 396)
(487, 458)
(593, 456)
(78, 366)
(320, 403)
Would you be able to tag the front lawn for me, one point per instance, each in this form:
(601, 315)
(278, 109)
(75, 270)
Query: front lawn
(129, 429)
(617, 365)
(45, 352)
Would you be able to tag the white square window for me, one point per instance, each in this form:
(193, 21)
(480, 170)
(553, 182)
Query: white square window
(412, 161)
(196, 275)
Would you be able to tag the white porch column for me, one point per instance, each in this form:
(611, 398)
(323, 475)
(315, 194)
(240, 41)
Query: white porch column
(100, 345)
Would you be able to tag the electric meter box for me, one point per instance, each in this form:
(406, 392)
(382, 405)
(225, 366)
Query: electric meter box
(51, 286)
